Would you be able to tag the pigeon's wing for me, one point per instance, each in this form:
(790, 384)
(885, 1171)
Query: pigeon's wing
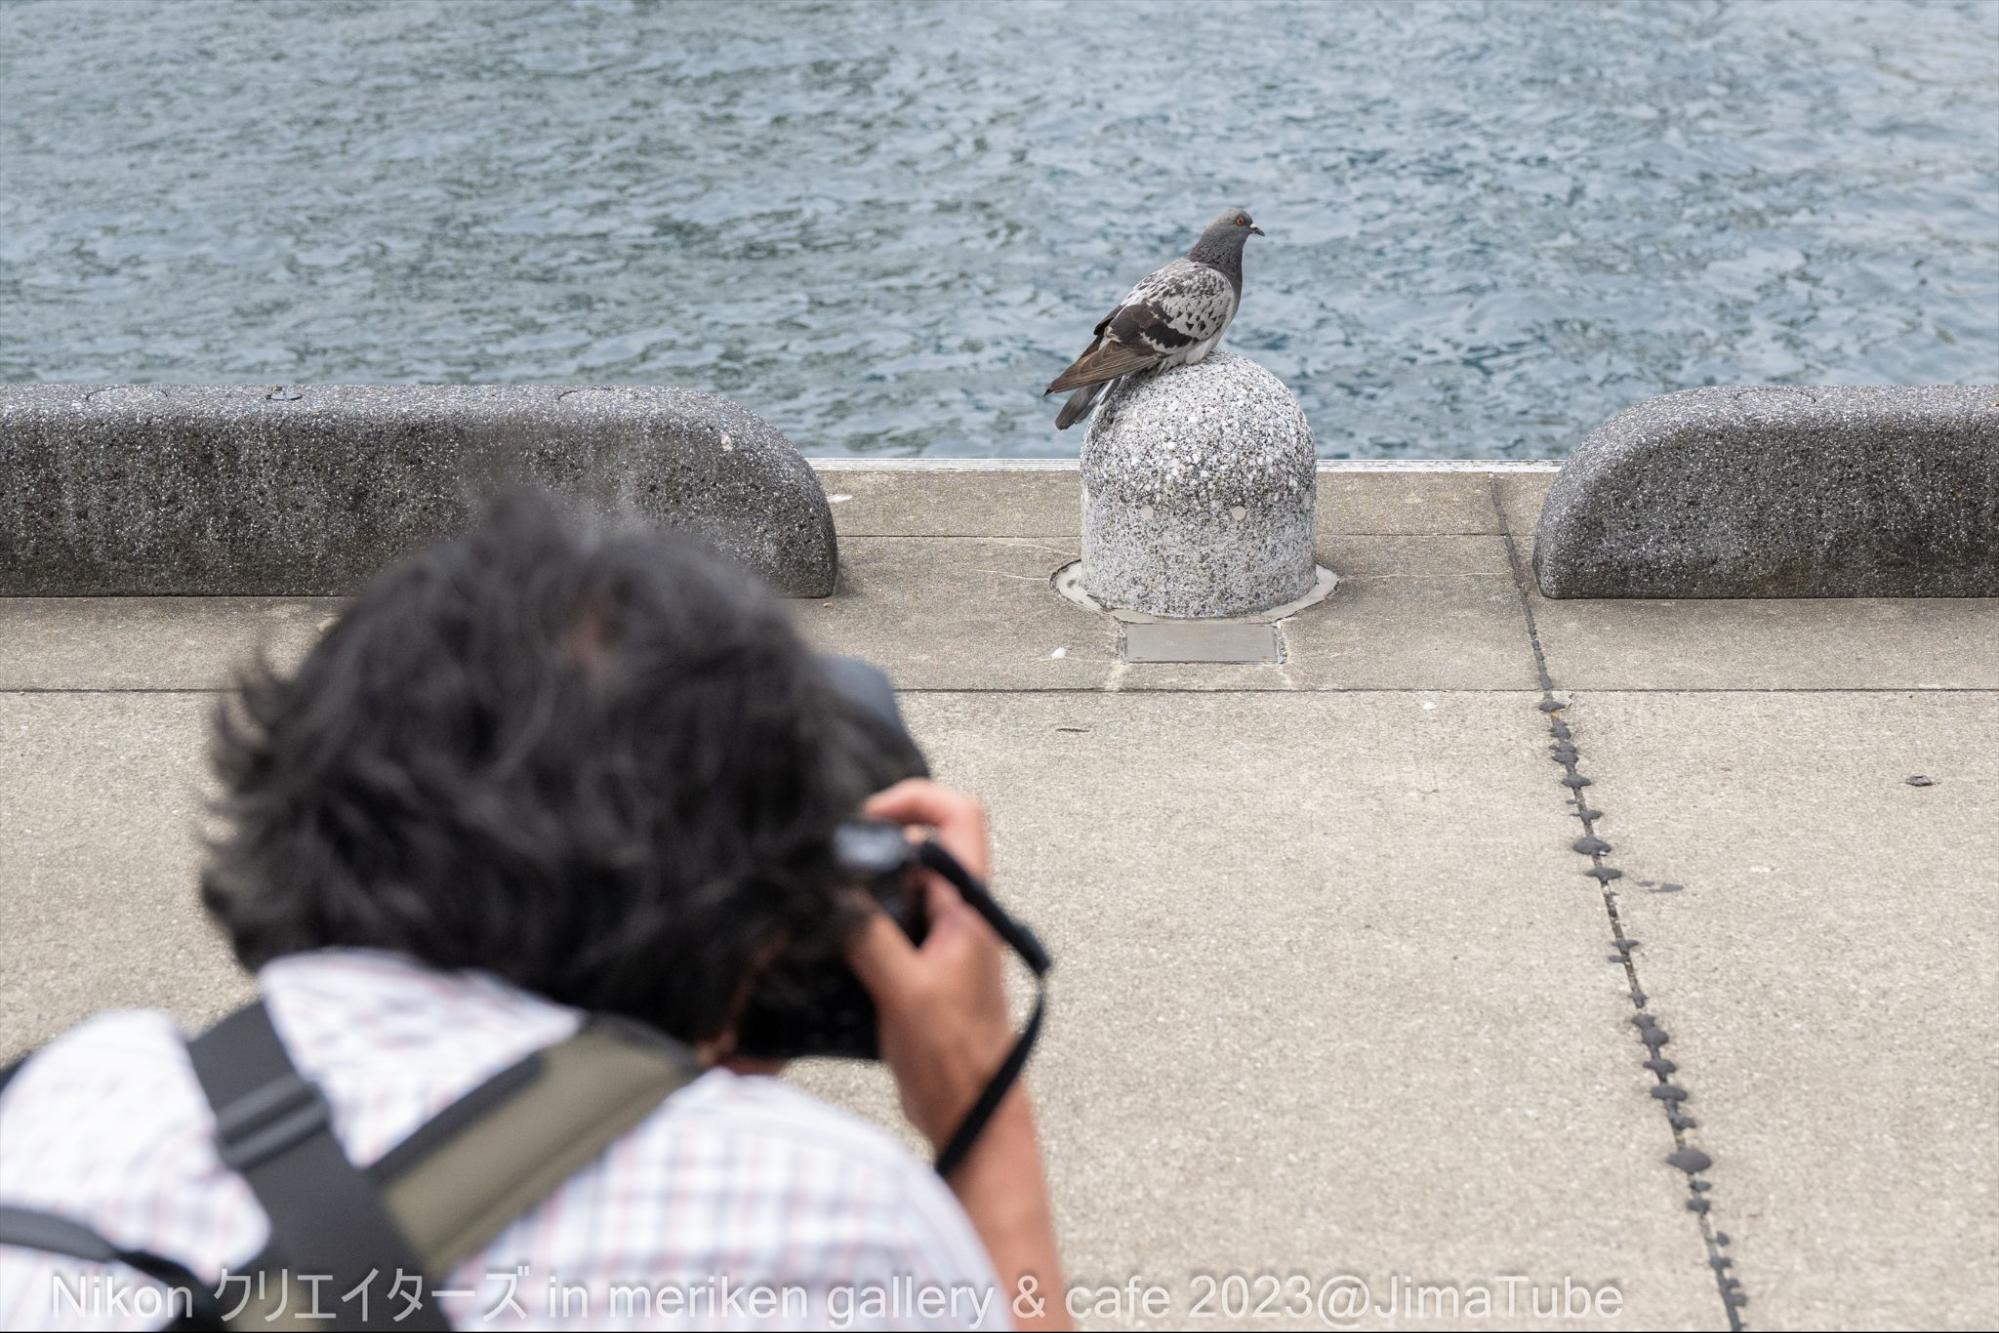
(1085, 365)
(1181, 304)
(1102, 361)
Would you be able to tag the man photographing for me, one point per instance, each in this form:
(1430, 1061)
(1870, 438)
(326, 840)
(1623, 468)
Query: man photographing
(539, 797)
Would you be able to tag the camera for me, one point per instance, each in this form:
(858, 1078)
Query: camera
(817, 1006)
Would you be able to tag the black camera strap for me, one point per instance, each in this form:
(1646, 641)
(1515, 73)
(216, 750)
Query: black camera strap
(1023, 942)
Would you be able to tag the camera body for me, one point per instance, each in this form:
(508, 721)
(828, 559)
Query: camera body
(816, 1006)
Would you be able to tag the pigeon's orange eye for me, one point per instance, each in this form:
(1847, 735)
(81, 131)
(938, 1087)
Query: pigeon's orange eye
(1241, 220)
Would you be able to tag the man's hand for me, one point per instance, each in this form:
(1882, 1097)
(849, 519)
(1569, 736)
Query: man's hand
(942, 1007)
(944, 1031)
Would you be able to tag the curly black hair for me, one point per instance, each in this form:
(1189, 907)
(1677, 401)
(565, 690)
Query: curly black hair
(599, 764)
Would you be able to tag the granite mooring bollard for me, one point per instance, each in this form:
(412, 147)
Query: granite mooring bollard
(308, 490)
(1783, 491)
(1198, 493)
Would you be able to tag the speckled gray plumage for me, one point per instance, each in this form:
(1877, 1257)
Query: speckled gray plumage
(1781, 492)
(1198, 492)
(140, 489)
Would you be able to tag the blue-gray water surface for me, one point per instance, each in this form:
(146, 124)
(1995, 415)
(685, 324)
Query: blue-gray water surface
(885, 226)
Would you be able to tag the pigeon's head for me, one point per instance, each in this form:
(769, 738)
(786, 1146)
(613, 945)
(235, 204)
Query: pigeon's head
(1233, 222)
(1221, 244)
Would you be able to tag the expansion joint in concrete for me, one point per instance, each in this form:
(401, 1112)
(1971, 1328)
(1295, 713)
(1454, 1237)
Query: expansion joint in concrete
(1652, 1036)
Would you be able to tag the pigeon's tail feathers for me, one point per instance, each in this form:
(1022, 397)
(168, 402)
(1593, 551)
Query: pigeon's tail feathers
(1105, 361)
(1080, 403)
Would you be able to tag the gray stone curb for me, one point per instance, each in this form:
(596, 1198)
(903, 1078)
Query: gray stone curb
(293, 491)
(1781, 492)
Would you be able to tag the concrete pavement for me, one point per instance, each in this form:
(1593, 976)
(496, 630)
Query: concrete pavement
(1336, 996)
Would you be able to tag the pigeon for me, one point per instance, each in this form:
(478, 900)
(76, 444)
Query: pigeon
(1172, 318)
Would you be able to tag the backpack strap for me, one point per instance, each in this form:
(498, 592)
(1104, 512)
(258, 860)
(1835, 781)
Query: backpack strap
(188, 1297)
(440, 1196)
(462, 1177)
(460, 1180)
(273, 1128)
(194, 1305)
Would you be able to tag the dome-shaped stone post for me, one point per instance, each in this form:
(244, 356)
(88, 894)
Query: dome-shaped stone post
(1198, 493)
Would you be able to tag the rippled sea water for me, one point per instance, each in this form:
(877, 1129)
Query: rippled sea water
(886, 226)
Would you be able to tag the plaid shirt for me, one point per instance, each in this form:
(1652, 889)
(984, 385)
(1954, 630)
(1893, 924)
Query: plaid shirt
(740, 1202)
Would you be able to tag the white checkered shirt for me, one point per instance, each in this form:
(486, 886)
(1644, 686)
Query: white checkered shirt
(735, 1186)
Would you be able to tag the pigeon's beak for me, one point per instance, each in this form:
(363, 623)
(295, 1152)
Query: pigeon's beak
(1256, 231)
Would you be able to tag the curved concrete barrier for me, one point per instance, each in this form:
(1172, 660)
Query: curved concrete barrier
(137, 489)
(1781, 492)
